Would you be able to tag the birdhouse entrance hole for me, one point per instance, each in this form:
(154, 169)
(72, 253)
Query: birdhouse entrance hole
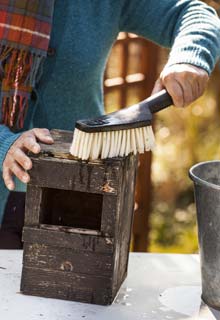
(71, 209)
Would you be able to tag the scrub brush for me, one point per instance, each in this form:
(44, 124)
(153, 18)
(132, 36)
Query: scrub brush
(119, 133)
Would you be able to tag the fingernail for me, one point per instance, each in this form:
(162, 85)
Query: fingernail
(25, 179)
(49, 138)
(36, 149)
(27, 165)
(10, 186)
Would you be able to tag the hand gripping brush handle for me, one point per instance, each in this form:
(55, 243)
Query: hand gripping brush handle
(119, 133)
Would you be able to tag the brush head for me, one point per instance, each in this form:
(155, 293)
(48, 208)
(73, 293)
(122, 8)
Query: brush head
(132, 117)
(119, 133)
(111, 144)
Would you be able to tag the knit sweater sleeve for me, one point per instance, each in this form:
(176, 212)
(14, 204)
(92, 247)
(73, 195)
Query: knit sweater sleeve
(189, 27)
(7, 138)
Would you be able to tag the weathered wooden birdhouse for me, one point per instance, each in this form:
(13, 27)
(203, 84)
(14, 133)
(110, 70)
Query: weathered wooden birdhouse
(77, 225)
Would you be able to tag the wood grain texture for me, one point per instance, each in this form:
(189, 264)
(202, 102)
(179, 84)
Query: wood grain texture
(33, 205)
(126, 216)
(67, 260)
(77, 242)
(68, 286)
(75, 175)
(109, 216)
(124, 223)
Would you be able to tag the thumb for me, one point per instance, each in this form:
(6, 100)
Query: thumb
(158, 86)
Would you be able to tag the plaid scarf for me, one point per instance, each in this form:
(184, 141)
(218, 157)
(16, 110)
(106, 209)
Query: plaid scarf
(25, 28)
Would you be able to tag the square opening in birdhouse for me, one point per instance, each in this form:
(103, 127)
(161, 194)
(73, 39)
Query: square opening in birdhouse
(71, 209)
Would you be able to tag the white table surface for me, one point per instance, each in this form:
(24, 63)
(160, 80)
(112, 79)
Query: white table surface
(158, 287)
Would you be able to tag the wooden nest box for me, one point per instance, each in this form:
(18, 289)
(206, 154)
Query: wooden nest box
(78, 221)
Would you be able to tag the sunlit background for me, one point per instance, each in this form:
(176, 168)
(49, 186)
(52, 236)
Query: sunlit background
(184, 137)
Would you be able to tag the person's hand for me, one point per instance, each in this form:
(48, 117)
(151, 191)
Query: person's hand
(17, 162)
(185, 83)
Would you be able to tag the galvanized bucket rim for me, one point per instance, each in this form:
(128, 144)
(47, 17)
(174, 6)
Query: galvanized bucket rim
(201, 181)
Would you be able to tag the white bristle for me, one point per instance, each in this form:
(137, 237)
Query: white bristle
(99, 144)
(123, 144)
(105, 149)
(112, 143)
(89, 146)
(146, 139)
(78, 142)
(81, 144)
(117, 150)
(128, 142)
(141, 141)
(85, 146)
(116, 144)
(75, 143)
(108, 144)
(138, 139)
(104, 145)
(94, 152)
(151, 137)
(149, 140)
(133, 141)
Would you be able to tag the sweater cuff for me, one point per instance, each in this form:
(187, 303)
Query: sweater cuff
(196, 56)
(6, 140)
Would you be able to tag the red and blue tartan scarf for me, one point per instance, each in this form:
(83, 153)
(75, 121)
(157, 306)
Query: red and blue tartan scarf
(25, 28)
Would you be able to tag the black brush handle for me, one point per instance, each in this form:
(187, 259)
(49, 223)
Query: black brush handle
(158, 101)
(136, 116)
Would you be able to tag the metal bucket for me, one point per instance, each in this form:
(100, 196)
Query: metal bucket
(206, 177)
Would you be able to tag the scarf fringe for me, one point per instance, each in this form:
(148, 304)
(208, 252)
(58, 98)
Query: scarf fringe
(19, 71)
(14, 110)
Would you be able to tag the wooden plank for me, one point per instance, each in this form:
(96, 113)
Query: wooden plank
(33, 205)
(77, 242)
(75, 175)
(109, 215)
(126, 211)
(68, 286)
(64, 259)
(60, 148)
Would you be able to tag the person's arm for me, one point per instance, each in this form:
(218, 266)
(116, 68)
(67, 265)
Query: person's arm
(190, 28)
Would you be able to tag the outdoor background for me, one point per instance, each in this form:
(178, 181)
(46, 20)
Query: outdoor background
(184, 137)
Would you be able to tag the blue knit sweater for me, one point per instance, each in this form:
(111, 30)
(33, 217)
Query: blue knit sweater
(83, 34)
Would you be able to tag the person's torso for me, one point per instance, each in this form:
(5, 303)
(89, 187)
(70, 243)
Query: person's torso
(71, 84)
